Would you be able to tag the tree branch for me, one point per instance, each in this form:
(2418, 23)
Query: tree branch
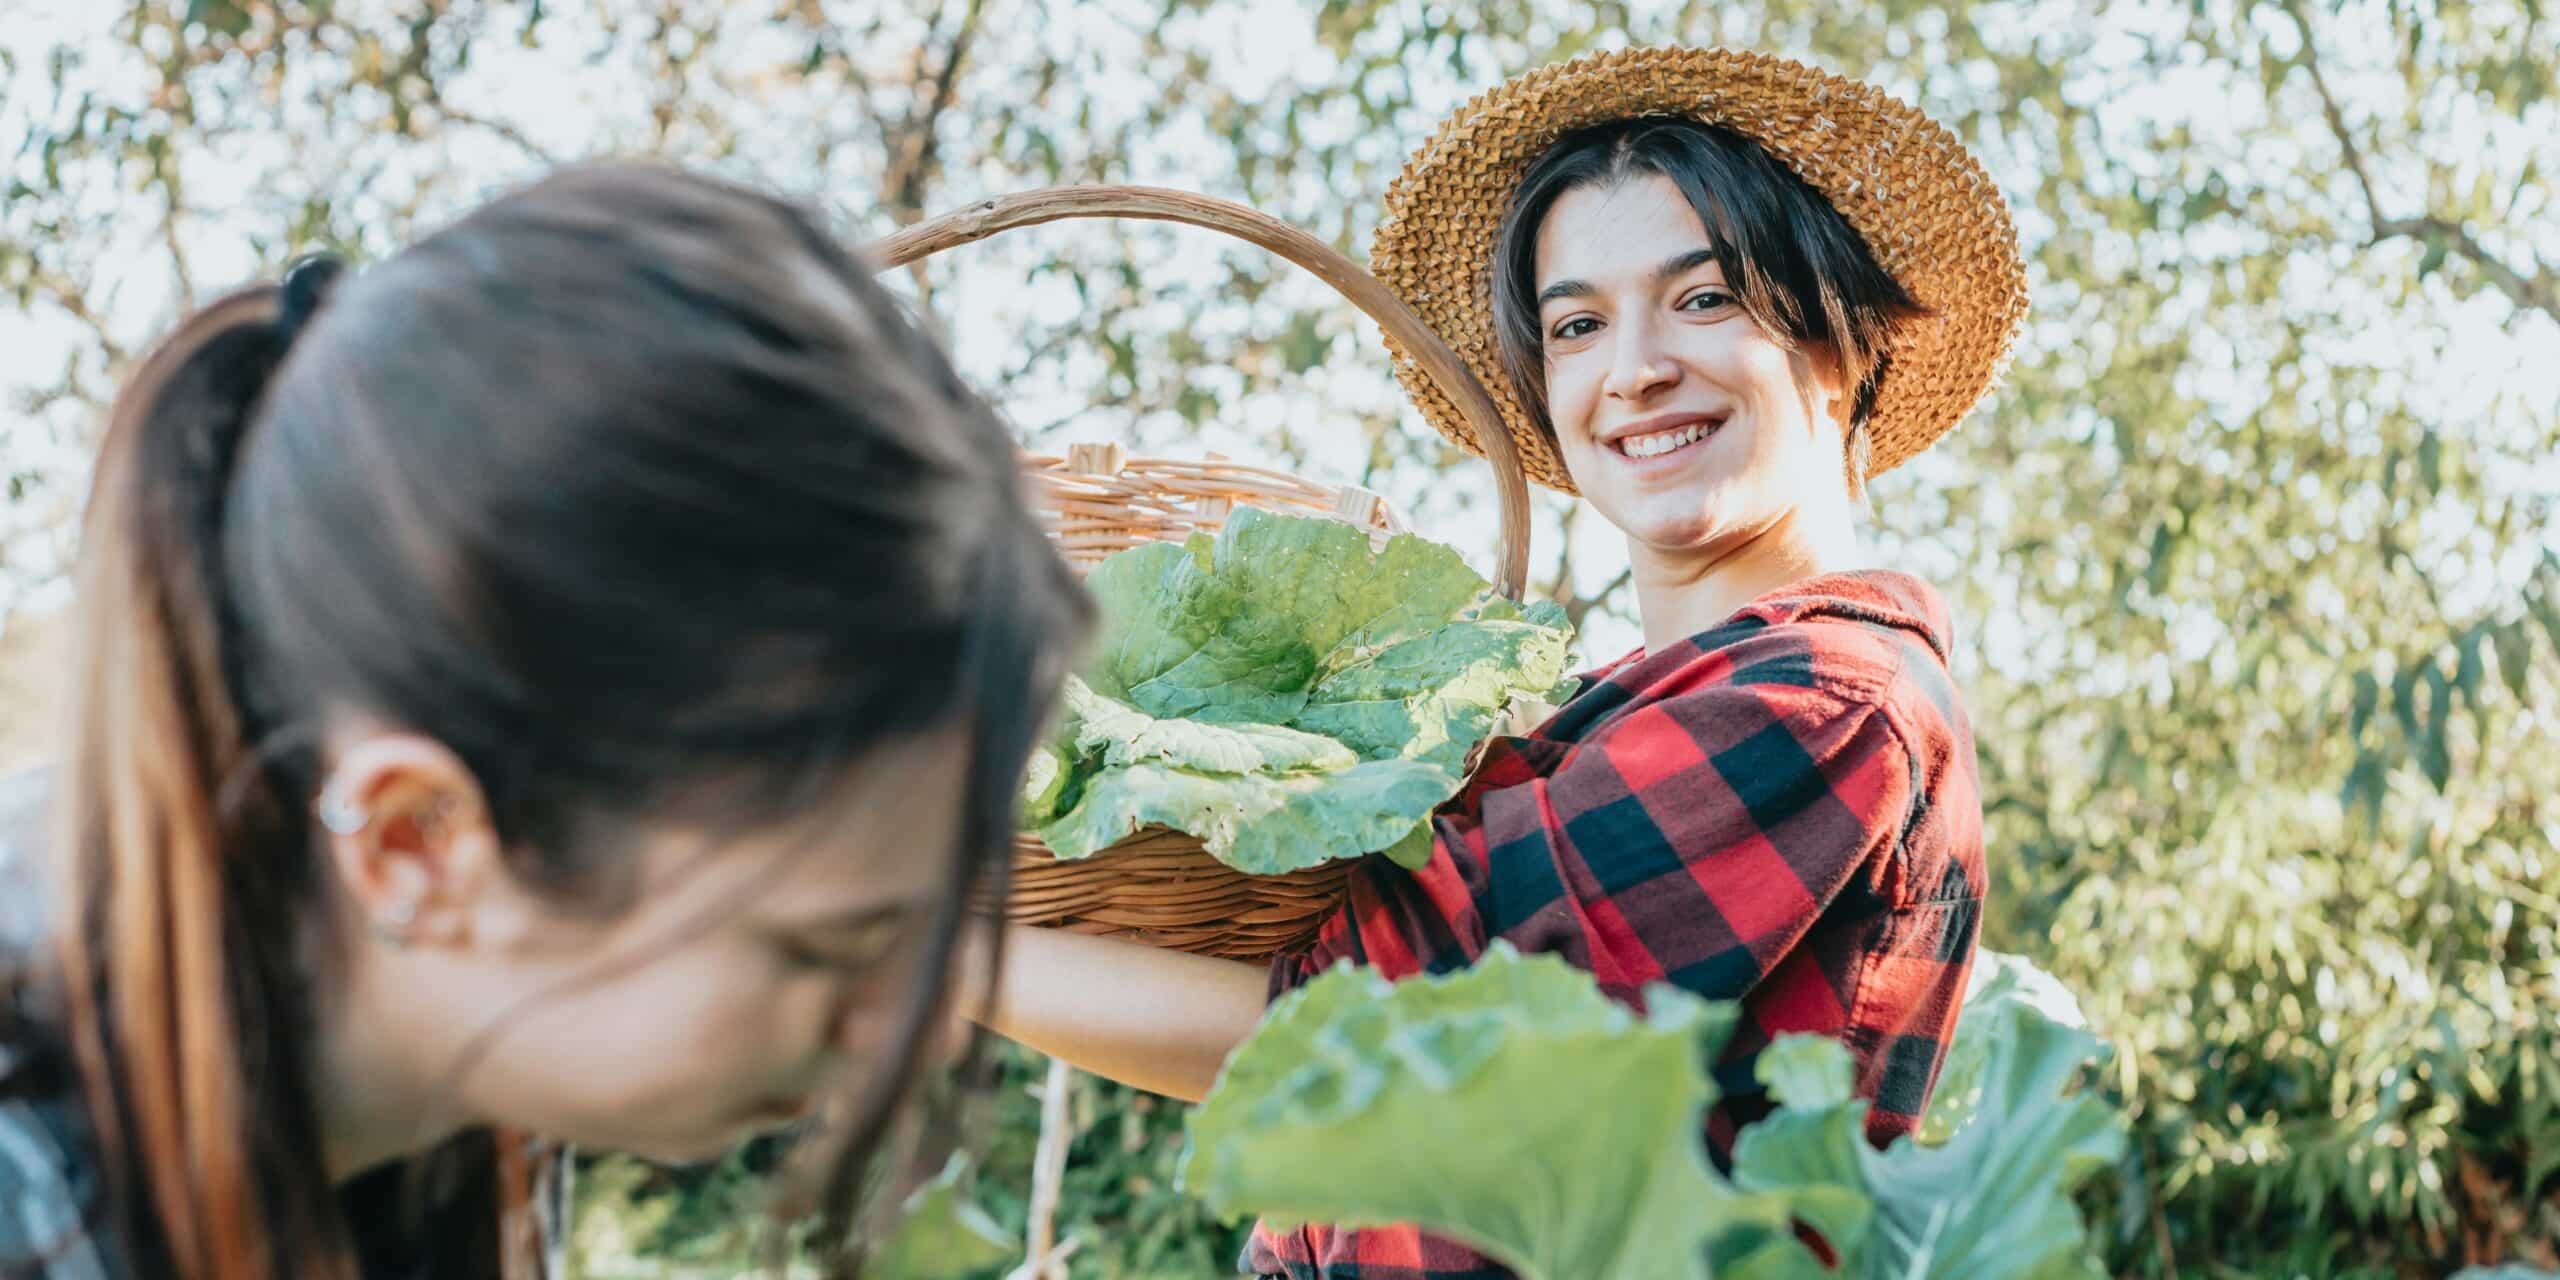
(2347, 147)
(2539, 291)
(186, 279)
(1050, 344)
(1580, 607)
(503, 130)
(74, 302)
(181, 101)
(1560, 588)
(911, 163)
(914, 163)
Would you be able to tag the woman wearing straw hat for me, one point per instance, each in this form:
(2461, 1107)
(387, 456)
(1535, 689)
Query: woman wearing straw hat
(1714, 293)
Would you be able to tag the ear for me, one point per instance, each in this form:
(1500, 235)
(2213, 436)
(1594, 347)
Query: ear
(408, 832)
(1818, 371)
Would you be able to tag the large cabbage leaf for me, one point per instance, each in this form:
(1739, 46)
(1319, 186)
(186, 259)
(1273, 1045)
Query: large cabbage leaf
(1510, 1105)
(1997, 980)
(1262, 823)
(1286, 693)
(1991, 1200)
(1513, 1106)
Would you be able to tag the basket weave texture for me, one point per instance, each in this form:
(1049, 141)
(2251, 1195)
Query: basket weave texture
(1162, 887)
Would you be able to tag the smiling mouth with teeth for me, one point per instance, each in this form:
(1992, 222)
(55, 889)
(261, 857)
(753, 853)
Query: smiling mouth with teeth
(1657, 443)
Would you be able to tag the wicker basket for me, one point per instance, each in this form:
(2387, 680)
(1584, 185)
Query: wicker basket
(1161, 887)
(1098, 500)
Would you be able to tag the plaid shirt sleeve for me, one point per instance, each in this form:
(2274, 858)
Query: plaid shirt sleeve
(1782, 815)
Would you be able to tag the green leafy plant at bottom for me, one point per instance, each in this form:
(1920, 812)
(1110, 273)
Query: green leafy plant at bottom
(942, 1235)
(640, 1222)
(1513, 1106)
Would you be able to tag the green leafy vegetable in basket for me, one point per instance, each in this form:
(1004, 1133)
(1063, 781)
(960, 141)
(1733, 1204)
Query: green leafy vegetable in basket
(1514, 1107)
(1285, 693)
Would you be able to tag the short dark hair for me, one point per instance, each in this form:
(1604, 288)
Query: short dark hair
(1796, 266)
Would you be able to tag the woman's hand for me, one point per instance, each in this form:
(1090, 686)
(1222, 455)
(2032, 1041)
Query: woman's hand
(1163, 1021)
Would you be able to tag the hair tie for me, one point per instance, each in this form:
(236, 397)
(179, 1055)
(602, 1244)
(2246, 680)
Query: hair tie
(307, 285)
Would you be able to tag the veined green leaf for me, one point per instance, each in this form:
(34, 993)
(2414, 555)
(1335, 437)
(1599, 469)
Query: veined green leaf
(1992, 1199)
(1435, 1102)
(1287, 694)
(1472, 1105)
(1119, 734)
(1044, 782)
(1997, 980)
(1240, 627)
(942, 1235)
(1435, 696)
(1259, 823)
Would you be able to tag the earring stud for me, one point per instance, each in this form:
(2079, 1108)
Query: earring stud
(340, 816)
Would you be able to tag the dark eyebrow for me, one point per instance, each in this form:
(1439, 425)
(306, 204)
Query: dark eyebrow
(1685, 263)
(1681, 265)
(1564, 289)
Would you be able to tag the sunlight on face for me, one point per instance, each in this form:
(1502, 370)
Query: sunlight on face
(746, 978)
(1686, 424)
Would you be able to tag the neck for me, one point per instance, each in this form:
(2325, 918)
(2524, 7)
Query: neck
(1683, 592)
(374, 1104)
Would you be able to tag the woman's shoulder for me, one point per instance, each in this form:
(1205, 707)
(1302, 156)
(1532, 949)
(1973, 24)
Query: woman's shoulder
(1870, 628)
(1840, 648)
(1854, 634)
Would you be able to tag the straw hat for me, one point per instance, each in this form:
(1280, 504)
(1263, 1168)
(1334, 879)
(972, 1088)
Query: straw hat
(1926, 209)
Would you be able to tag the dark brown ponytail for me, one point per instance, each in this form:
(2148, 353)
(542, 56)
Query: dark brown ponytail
(161, 796)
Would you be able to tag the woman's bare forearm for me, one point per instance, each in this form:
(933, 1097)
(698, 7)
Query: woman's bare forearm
(1163, 1021)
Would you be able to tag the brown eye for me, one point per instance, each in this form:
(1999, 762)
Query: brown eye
(1577, 327)
(1706, 300)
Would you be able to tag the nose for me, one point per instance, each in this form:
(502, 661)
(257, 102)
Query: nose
(1638, 366)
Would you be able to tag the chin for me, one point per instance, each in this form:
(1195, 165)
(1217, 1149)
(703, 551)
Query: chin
(1682, 528)
(1663, 517)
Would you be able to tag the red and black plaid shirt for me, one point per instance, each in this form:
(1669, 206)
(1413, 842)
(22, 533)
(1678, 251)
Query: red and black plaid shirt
(1781, 811)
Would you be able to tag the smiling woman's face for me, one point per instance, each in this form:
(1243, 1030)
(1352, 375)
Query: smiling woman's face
(1685, 424)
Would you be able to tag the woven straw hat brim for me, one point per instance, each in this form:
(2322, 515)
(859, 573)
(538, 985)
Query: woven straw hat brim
(1928, 212)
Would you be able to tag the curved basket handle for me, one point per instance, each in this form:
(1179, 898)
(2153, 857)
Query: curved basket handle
(1160, 204)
